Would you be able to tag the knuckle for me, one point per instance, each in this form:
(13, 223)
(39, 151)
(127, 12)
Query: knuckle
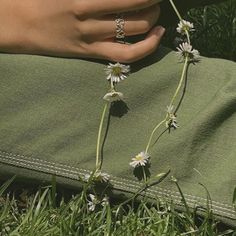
(81, 9)
(82, 30)
(81, 49)
(149, 18)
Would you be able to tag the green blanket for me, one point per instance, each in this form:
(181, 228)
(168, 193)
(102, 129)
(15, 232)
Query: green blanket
(50, 110)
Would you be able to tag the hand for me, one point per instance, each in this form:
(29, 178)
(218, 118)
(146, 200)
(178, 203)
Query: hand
(78, 28)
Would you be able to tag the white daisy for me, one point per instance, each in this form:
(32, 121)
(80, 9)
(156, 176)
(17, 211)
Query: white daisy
(140, 160)
(172, 122)
(184, 26)
(101, 177)
(105, 201)
(95, 201)
(113, 96)
(172, 119)
(86, 177)
(92, 204)
(185, 49)
(117, 72)
(98, 177)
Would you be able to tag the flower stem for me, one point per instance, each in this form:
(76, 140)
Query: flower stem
(188, 37)
(181, 81)
(153, 132)
(99, 136)
(176, 10)
(144, 174)
(112, 85)
(171, 103)
(180, 18)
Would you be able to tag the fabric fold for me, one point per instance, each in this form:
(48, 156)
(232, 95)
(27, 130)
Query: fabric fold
(50, 111)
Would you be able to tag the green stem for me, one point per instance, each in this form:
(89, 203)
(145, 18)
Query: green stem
(144, 175)
(112, 85)
(180, 18)
(99, 136)
(188, 37)
(171, 103)
(153, 132)
(176, 10)
(181, 81)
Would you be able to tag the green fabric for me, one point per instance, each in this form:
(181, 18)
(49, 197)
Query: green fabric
(50, 111)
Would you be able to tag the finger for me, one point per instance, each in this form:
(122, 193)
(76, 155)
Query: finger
(103, 7)
(127, 53)
(135, 23)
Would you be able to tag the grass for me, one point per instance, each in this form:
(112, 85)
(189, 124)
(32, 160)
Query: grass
(215, 34)
(46, 211)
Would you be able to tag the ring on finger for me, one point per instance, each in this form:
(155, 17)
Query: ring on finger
(120, 33)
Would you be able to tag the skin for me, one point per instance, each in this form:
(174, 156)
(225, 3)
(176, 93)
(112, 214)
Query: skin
(78, 28)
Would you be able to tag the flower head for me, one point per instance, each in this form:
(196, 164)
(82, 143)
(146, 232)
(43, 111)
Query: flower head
(113, 96)
(184, 26)
(94, 201)
(171, 121)
(101, 177)
(98, 176)
(186, 50)
(117, 72)
(140, 160)
(92, 204)
(105, 201)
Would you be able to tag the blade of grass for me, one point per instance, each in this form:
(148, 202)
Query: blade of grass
(4, 187)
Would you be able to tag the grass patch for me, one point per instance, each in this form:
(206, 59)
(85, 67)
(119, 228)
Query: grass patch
(215, 34)
(46, 211)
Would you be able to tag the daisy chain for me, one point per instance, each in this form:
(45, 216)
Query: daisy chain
(172, 122)
(184, 26)
(186, 50)
(113, 96)
(117, 72)
(94, 202)
(170, 109)
(98, 177)
(172, 119)
(140, 160)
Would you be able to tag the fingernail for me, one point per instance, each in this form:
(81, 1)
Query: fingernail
(160, 30)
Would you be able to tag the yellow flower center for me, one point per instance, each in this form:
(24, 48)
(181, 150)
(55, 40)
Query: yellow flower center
(186, 27)
(139, 158)
(114, 95)
(117, 70)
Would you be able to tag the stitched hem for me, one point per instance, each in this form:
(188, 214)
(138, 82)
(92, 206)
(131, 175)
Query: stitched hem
(75, 173)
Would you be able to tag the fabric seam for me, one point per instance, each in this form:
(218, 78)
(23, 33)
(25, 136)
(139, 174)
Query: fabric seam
(71, 172)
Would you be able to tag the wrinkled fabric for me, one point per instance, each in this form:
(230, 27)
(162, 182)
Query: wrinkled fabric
(50, 110)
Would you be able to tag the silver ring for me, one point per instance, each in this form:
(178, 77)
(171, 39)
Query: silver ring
(120, 24)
